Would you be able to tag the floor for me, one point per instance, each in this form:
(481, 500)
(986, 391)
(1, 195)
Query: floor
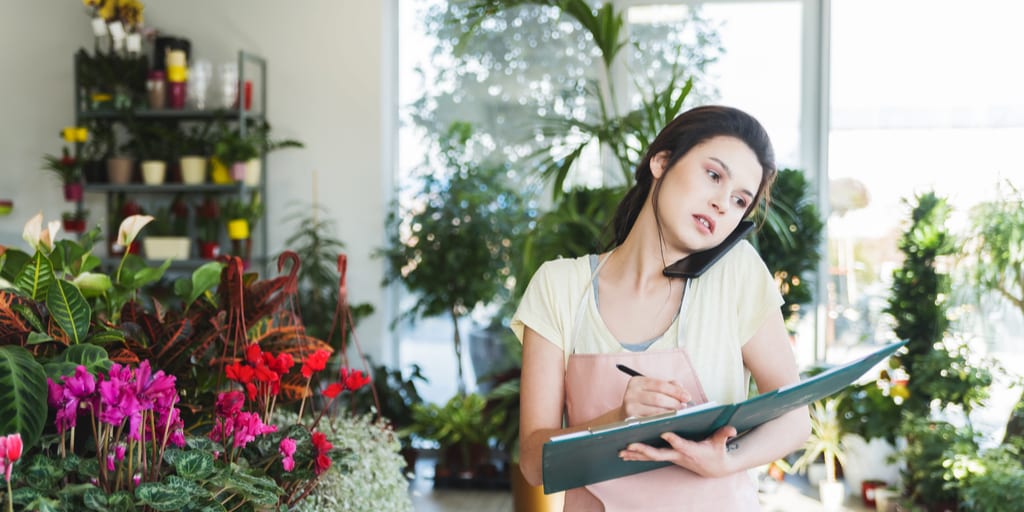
(792, 495)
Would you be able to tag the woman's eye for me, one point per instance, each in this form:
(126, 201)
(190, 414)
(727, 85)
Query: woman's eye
(713, 175)
(742, 203)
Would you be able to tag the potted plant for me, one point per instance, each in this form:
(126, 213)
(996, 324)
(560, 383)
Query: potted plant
(75, 220)
(463, 429)
(825, 442)
(241, 217)
(153, 144)
(460, 251)
(234, 150)
(195, 147)
(870, 418)
(69, 170)
(208, 227)
(167, 238)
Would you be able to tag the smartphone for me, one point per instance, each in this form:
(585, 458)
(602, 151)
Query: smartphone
(695, 264)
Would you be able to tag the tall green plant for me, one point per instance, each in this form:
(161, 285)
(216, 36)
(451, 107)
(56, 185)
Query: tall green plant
(997, 262)
(789, 243)
(453, 249)
(918, 305)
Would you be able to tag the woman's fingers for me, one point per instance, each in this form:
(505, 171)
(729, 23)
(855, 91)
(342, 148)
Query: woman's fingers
(646, 396)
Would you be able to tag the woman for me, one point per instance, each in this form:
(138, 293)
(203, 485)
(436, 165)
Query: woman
(691, 340)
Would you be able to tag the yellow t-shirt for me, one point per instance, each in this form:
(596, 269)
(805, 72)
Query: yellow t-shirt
(727, 305)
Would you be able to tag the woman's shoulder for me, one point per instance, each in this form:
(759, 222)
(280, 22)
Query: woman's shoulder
(742, 259)
(564, 269)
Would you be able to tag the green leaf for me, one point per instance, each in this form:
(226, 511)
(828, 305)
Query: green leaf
(105, 336)
(96, 499)
(44, 504)
(35, 277)
(30, 316)
(258, 489)
(42, 473)
(162, 496)
(14, 261)
(69, 309)
(57, 370)
(204, 278)
(23, 394)
(36, 338)
(194, 464)
(92, 357)
(24, 495)
(121, 501)
(90, 467)
(150, 275)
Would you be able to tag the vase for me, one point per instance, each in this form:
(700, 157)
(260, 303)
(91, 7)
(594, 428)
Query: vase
(119, 170)
(6, 205)
(154, 172)
(193, 170)
(219, 173)
(868, 460)
(253, 172)
(73, 192)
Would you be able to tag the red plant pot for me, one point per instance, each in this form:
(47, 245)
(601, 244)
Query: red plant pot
(209, 250)
(867, 491)
(74, 225)
(73, 192)
(116, 249)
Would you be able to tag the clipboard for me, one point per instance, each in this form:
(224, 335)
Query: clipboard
(591, 456)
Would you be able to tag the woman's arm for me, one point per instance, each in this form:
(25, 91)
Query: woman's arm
(770, 360)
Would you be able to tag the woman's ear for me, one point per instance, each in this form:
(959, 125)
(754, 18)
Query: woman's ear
(659, 163)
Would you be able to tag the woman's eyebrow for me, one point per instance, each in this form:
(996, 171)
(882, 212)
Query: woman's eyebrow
(728, 171)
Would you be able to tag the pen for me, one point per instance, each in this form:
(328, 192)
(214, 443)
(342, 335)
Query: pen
(628, 371)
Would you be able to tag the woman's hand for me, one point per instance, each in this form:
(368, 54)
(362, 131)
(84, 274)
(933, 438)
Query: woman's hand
(708, 458)
(647, 396)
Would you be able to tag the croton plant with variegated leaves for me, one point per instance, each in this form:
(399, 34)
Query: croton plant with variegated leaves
(129, 395)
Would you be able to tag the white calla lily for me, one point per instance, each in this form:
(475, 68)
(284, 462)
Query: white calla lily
(130, 228)
(33, 229)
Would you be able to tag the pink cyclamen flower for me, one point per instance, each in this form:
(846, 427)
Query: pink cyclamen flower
(10, 452)
(287, 450)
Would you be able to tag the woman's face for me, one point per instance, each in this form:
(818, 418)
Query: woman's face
(706, 193)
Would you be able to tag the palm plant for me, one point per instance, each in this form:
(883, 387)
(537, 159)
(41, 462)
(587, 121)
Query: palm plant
(825, 440)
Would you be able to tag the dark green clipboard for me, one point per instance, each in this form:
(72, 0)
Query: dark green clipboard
(591, 456)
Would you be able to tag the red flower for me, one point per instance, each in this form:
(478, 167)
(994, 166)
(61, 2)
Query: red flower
(254, 354)
(353, 379)
(315, 362)
(239, 373)
(323, 463)
(280, 364)
(334, 390)
(322, 445)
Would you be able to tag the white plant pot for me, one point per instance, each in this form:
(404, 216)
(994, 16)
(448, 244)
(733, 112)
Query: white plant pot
(154, 172)
(193, 170)
(868, 461)
(831, 495)
(816, 473)
(253, 172)
(885, 500)
(167, 247)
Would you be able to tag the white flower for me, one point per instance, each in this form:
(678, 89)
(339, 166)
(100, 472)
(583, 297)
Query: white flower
(35, 235)
(130, 228)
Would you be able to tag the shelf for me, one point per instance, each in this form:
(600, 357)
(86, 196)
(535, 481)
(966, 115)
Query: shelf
(160, 189)
(179, 115)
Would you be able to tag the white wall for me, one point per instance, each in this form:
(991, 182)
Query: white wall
(328, 86)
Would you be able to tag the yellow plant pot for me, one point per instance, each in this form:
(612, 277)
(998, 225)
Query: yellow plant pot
(219, 173)
(238, 229)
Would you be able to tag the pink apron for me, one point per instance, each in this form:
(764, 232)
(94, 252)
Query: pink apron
(593, 387)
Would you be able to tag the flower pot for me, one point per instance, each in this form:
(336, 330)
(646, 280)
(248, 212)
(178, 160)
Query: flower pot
(193, 170)
(831, 495)
(253, 172)
(154, 172)
(238, 171)
(868, 460)
(6, 205)
(531, 498)
(74, 225)
(209, 250)
(73, 192)
(219, 173)
(119, 170)
(238, 229)
(886, 499)
(869, 490)
(167, 247)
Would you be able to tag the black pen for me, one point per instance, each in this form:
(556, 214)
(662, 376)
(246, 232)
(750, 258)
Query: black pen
(628, 371)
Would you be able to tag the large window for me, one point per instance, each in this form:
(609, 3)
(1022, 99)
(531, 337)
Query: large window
(915, 106)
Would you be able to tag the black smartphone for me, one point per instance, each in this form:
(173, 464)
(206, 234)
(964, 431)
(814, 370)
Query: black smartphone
(695, 264)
